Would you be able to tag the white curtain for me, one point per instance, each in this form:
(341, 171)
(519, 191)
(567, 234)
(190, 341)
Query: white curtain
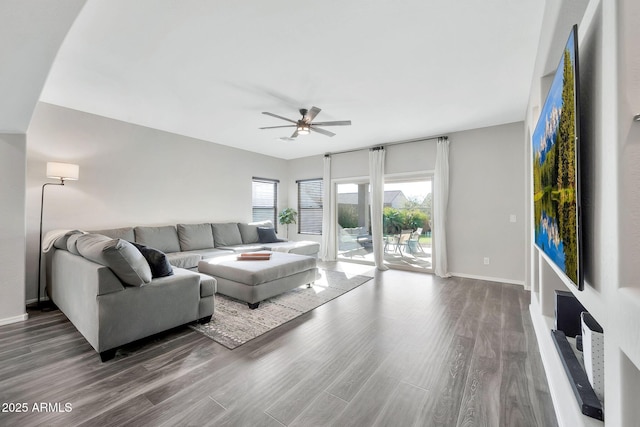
(440, 203)
(328, 247)
(376, 177)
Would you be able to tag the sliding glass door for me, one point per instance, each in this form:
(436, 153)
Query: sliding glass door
(406, 223)
(407, 217)
(354, 221)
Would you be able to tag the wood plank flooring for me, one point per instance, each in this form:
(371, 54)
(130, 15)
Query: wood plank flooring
(404, 349)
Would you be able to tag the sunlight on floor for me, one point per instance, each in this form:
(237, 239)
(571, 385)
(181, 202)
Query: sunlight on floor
(419, 261)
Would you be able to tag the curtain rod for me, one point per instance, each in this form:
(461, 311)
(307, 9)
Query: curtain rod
(389, 144)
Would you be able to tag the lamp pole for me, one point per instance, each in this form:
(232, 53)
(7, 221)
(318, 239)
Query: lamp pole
(40, 239)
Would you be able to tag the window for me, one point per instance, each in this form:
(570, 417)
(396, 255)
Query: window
(310, 206)
(265, 200)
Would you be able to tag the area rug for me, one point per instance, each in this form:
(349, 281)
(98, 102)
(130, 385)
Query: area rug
(234, 323)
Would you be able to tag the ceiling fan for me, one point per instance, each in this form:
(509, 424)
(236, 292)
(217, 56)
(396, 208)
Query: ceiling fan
(306, 124)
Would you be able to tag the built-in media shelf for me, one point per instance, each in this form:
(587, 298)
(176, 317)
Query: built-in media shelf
(568, 411)
(618, 312)
(543, 301)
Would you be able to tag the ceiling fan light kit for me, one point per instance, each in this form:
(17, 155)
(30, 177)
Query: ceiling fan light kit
(305, 125)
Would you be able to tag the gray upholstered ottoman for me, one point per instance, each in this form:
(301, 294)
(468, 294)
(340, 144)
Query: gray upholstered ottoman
(254, 281)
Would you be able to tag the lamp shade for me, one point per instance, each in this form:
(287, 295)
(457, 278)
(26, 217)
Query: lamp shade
(63, 171)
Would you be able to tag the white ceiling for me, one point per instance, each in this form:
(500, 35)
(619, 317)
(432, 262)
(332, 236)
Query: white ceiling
(207, 69)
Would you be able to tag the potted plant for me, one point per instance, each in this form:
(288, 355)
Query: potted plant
(286, 217)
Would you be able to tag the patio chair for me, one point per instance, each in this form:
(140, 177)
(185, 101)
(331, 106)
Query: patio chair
(414, 241)
(391, 243)
(403, 240)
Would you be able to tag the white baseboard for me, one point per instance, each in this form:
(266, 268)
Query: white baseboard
(14, 319)
(489, 279)
(35, 300)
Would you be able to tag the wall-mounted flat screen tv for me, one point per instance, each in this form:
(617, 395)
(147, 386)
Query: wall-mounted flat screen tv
(556, 186)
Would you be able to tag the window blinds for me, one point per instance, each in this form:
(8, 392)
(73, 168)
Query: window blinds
(310, 206)
(265, 200)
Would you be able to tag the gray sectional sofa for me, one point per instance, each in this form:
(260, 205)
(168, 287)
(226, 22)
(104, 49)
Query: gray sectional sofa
(100, 283)
(186, 244)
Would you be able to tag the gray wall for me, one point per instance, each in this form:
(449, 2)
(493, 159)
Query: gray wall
(132, 175)
(12, 244)
(486, 188)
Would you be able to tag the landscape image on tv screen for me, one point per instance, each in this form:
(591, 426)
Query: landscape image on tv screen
(555, 169)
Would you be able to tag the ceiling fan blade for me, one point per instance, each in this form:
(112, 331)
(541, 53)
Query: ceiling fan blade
(295, 134)
(335, 123)
(311, 114)
(279, 117)
(322, 131)
(274, 127)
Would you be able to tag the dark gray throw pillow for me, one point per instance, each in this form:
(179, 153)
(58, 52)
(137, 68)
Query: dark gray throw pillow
(267, 235)
(157, 260)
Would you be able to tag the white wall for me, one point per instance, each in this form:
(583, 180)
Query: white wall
(132, 175)
(12, 225)
(609, 139)
(31, 33)
(487, 186)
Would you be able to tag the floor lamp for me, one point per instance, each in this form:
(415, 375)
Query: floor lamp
(63, 172)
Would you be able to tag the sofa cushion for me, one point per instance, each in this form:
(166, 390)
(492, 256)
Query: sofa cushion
(226, 234)
(156, 259)
(249, 232)
(120, 256)
(184, 259)
(164, 238)
(267, 235)
(303, 247)
(124, 233)
(209, 253)
(195, 236)
(239, 249)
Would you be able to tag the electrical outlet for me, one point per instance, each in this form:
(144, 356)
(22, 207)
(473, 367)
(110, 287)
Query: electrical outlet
(486, 260)
(512, 218)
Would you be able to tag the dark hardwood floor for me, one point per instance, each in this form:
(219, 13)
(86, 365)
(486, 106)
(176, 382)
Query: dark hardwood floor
(405, 349)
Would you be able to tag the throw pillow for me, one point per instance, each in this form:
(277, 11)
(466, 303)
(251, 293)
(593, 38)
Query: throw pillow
(267, 235)
(157, 260)
(120, 256)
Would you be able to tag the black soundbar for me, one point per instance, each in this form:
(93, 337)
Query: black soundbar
(589, 403)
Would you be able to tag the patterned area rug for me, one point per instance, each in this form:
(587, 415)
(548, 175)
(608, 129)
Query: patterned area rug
(234, 323)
